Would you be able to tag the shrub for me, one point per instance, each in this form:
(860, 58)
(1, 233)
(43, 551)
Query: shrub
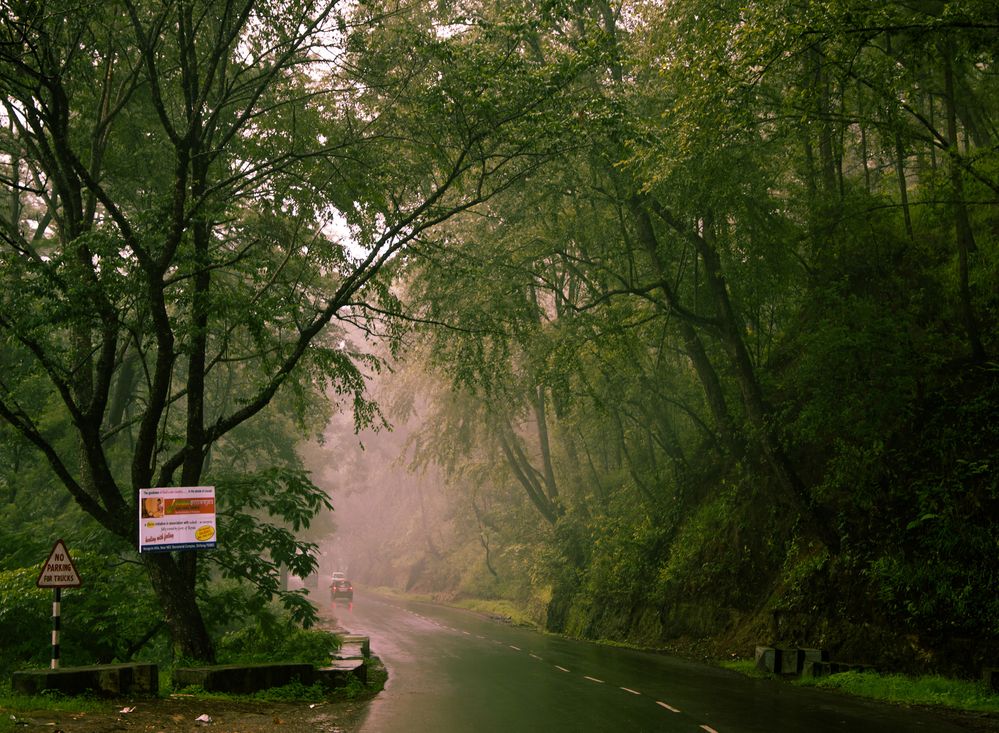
(275, 637)
(112, 617)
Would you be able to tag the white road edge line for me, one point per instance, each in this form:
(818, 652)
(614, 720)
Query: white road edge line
(633, 692)
(668, 707)
(592, 679)
(561, 668)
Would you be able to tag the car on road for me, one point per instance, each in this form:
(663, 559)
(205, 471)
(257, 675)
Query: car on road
(341, 588)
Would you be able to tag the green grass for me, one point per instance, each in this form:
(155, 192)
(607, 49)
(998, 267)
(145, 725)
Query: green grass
(744, 666)
(894, 688)
(401, 595)
(926, 690)
(12, 706)
(491, 607)
(501, 608)
(298, 692)
(292, 692)
(22, 705)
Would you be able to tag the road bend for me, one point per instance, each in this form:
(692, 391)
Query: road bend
(452, 671)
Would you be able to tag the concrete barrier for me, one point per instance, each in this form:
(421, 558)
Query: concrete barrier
(352, 646)
(808, 658)
(789, 661)
(816, 668)
(242, 678)
(766, 658)
(341, 671)
(109, 680)
(779, 660)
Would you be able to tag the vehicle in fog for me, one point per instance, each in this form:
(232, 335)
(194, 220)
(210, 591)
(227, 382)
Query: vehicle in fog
(341, 588)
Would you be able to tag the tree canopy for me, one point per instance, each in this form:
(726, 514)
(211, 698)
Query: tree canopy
(201, 199)
(701, 289)
(723, 313)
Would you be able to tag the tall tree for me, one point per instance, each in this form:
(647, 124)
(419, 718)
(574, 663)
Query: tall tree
(198, 192)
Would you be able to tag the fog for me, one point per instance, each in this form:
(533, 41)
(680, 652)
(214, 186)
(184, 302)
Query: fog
(387, 516)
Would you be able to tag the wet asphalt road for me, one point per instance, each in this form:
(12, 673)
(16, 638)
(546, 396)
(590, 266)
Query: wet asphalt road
(452, 671)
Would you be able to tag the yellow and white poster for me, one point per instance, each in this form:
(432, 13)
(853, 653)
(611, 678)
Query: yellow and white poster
(177, 518)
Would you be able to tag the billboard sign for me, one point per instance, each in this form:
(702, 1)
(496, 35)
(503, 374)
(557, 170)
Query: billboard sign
(177, 518)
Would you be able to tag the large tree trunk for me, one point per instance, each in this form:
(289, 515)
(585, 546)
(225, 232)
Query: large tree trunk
(903, 188)
(731, 332)
(548, 470)
(823, 113)
(756, 407)
(527, 475)
(708, 377)
(172, 578)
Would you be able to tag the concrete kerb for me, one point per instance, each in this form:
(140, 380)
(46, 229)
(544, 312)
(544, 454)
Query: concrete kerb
(107, 680)
(350, 661)
(114, 680)
(790, 661)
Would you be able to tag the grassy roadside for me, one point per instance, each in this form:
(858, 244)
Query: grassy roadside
(14, 709)
(12, 705)
(929, 690)
(494, 608)
(923, 690)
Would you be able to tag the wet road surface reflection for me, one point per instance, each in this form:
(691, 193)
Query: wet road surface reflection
(452, 671)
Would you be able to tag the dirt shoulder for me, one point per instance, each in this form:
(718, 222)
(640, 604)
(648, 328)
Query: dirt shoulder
(180, 714)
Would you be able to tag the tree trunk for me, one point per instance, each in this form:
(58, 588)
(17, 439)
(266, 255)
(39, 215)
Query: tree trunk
(962, 223)
(708, 377)
(527, 475)
(903, 189)
(172, 579)
(484, 539)
(541, 418)
(732, 337)
(865, 153)
(822, 87)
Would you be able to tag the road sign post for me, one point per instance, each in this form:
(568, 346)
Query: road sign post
(56, 610)
(58, 572)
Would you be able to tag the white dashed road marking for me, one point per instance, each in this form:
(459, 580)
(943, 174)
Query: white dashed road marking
(660, 703)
